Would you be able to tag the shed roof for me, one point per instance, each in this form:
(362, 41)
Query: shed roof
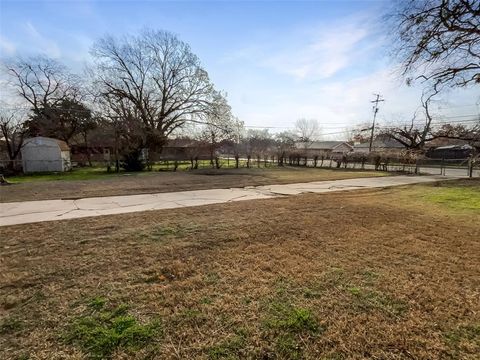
(61, 144)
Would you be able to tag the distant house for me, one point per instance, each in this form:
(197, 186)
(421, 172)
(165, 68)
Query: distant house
(182, 149)
(450, 152)
(42, 154)
(326, 148)
(380, 144)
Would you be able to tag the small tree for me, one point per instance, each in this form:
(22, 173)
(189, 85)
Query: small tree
(63, 120)
(14, 130)
(219, 126)
(258, 143)
(285, 143)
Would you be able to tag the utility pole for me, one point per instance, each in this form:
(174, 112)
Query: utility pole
(375, 111)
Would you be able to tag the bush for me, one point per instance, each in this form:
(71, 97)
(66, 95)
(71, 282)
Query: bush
(133, 161)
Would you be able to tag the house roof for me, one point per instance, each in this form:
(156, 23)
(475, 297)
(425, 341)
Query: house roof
(181, 143)
(383, 143)
(321, 145)
(455, 147)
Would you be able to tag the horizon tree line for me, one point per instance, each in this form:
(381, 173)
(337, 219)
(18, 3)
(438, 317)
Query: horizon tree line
(142, 89)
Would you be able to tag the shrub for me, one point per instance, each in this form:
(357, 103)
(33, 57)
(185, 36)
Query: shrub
(133, 161)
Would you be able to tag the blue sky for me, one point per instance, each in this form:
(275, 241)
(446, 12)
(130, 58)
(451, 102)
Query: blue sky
(278, 61)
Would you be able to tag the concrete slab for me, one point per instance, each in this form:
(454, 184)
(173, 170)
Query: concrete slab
(50, 210)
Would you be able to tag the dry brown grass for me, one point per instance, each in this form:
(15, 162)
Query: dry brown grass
(154, 182)
(380, 274)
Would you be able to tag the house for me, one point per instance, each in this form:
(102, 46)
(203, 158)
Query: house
(182, 149)
(380, 144)
(42, 154)
(325, 148)
(450, 152)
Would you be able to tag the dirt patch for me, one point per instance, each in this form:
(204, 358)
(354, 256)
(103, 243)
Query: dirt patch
(156, 182)
(299, 277)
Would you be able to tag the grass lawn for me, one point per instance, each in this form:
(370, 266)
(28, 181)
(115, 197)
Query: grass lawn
(87, 173)
(100, 172)
(382, 274)
(92, 182)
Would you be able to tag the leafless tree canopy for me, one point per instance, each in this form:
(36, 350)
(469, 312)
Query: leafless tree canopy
(416, 133)
(153, 78)
(220, 124)
(438, 41)
(307, 130)
(43, 83)
(259, 142)
(13, 131)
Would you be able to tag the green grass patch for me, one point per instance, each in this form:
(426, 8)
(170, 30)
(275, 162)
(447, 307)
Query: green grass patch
(229, 348)
(367, 299)
(104, 329)
(290, 328)
(291, 319)
(455, 197)
(87, 173)
(161, 233)
(10, 325)
(463, 339)
(23, 357)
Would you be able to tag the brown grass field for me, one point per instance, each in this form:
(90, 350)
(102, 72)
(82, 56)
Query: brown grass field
(377, 274)
(155, 182)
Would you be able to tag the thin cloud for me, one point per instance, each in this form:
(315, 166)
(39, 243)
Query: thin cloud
(43, 44)
(316, 53)
(6, 46)
(321, 56)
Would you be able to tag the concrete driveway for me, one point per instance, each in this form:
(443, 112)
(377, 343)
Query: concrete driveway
(49, 210)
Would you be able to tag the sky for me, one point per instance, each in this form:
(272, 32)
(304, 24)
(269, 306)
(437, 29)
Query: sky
(278, 61)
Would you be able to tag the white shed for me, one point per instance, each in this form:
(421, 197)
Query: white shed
(42, 154)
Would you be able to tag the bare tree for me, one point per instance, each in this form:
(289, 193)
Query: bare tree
(259, 143)
(43, 84)
(470, 134)
(128, 133)
(220, 126)
(285, 142)
(307, 130)
(157, 78)
(415, 134)
(438, 41)
(13, 129)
